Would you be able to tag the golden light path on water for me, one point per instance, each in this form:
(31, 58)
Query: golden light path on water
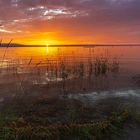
(69, 52)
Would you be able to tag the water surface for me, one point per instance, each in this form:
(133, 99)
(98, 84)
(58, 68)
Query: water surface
(46, 65)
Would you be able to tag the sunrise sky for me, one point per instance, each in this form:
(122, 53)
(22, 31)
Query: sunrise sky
(70, 21)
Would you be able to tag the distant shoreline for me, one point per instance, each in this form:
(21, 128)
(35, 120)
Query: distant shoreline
(72, 45)
(94, 45)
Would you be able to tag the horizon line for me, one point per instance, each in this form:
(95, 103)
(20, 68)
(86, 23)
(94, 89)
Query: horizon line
(65, 45)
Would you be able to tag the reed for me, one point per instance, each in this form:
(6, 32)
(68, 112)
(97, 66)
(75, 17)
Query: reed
(8, 45)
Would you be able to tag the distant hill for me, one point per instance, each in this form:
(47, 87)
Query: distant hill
(11, 45)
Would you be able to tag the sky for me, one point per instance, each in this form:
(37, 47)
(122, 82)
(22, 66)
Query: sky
(70, 21)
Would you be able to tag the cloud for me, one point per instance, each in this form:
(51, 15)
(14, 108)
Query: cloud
(75, 17)
(6, 31)
(34, 9)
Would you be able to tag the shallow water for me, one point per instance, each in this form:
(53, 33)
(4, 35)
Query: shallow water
(42, 66)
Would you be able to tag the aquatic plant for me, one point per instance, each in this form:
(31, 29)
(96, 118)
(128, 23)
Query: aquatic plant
(115, 66)
(64, 76)
(8, 45)
(101, 67)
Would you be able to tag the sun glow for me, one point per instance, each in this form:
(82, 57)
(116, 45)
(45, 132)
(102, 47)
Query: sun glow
(47, 48)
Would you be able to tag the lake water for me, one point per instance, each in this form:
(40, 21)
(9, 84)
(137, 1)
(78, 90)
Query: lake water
(68, 69)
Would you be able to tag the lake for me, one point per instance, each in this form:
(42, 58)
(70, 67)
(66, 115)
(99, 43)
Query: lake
(69, 69)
